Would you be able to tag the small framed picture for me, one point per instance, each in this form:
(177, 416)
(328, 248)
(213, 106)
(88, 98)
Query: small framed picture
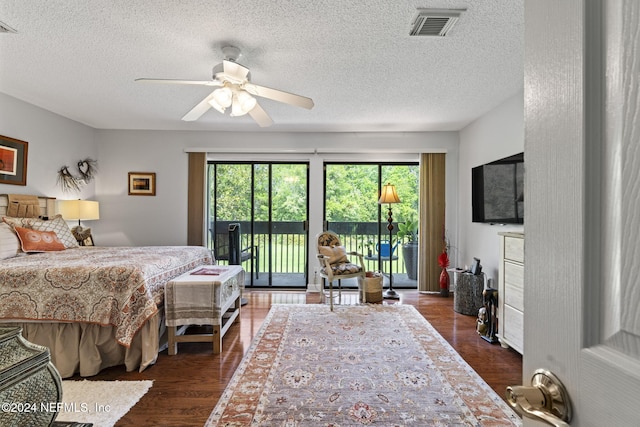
(13, 161)
(88, 241)
(142, 183)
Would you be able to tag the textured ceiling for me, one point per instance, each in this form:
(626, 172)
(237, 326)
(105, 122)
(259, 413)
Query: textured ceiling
(355, 59)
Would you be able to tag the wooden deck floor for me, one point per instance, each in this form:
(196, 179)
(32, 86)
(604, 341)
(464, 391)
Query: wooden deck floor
(187, 386)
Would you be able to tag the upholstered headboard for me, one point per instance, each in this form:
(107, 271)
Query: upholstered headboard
(47, 205)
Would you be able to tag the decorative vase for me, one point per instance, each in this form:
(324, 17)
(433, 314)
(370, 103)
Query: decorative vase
(444, 283)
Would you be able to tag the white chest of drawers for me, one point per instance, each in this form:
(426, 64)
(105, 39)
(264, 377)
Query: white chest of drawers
(511, 291)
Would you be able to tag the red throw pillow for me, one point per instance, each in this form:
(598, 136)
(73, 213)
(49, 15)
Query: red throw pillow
(39, 241)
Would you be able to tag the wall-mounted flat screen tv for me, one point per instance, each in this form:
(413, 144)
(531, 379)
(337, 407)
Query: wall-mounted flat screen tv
(497, 191)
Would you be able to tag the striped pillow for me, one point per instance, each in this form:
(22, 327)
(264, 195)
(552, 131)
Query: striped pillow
(9, 243)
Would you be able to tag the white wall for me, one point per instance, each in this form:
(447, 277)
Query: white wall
(497, 134)
(54, 141)
(162, 220)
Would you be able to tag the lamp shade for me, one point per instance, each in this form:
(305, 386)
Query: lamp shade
(247, 102)
(389, 194)
(84, 210)
(223, 96)
(217, 106)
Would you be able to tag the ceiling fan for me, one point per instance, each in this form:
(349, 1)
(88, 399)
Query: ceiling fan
(235, 91)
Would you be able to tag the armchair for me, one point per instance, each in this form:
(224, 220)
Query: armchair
(334, 263)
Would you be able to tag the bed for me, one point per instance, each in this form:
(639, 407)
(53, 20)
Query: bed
(93, 307)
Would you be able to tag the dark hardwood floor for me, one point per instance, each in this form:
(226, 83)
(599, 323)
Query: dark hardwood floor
(187, 386)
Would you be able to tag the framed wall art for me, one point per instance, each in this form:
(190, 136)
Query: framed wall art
(142, 183)
(13, 161)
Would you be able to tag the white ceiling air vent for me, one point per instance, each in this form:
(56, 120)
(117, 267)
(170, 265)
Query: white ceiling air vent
(435, 22)
(4, 28)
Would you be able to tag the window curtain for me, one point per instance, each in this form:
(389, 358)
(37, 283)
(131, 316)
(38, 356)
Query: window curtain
(195, 199)
(431, 229)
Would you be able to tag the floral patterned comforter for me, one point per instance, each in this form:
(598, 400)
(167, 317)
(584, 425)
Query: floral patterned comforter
(118, 286)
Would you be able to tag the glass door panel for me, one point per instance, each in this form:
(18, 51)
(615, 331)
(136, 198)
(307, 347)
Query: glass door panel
(288, 220)
(351, 205)
(269, 201)
(405, 221)
(230, 188)
(353, 212)
(261, 218)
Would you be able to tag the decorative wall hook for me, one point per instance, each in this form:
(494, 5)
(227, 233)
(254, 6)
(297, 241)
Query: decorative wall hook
(87, 170)
(67, 181)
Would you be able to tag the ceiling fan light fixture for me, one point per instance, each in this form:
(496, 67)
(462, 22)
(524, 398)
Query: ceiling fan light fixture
(235, 91)
(223, 96)
(217, 106)
(246, 101)
(236, 109)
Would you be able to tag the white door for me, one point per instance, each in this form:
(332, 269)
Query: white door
(582, 201)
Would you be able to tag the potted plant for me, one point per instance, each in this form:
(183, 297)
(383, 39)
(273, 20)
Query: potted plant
(369, 248)
(409, 230)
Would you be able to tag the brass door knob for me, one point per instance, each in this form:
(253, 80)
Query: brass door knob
(546, 399)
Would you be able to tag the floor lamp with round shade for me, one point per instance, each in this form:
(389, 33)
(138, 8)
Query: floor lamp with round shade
(390, 196)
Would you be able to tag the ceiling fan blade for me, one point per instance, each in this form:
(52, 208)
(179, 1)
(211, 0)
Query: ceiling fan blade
(181, 82)
(200, 108)
(261, 117)
(235, 70)
(279, 95)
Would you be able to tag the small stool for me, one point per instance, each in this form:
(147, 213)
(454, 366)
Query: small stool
(206, 295)
(467, 297)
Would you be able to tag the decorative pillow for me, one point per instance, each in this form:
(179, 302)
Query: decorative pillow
(55, 224)
(9, 243)
(39, 241)
(336, 254)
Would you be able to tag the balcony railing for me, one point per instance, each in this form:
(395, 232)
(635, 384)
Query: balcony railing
(288, 243)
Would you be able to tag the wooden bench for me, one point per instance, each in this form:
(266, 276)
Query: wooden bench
(206, 295)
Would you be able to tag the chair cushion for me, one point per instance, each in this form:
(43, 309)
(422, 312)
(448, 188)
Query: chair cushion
(336, 254)
(341, 269)
(328, 239)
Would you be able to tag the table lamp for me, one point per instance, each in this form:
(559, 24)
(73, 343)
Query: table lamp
(81, 210)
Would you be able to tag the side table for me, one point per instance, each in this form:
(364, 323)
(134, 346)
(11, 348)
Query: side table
(206, 295)
(467, 297)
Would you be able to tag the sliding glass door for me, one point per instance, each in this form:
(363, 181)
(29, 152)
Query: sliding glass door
(269, 202)
(352, 211)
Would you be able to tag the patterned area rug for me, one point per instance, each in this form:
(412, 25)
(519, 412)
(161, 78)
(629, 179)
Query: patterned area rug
(359, 365)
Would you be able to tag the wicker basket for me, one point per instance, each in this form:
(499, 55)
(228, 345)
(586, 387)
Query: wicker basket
(372, 287)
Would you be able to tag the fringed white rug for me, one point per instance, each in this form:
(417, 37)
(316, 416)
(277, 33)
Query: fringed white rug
(102, 403)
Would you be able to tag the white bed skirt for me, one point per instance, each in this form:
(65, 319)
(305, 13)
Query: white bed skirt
(87, 349)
